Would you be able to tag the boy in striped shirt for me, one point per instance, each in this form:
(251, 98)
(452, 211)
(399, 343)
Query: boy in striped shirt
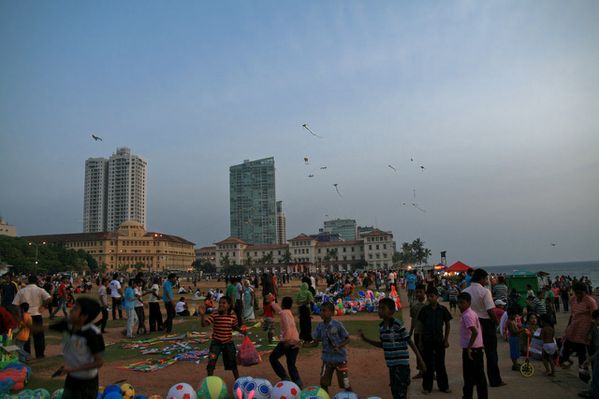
(223, 323)
(394, 339)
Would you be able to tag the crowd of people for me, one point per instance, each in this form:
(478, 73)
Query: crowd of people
(488, 311)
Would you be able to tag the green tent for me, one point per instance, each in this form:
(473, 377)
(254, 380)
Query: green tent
(518, 280)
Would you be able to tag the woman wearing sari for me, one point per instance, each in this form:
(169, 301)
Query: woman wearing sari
(248, 299)
(304, 300)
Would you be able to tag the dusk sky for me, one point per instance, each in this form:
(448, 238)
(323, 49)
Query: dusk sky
(498, 100)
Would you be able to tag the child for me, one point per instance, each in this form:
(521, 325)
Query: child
(394, 340)
(549, 344)
(224, 322)
(416, 325)
(181, 308)
(471, 341)
(288, 346)
(209, 303)
(434, 317)
(453, 297)
(269, 325)
(334, 338)
(514, 332)
(82, 350)
(22, 338)
(434, 341)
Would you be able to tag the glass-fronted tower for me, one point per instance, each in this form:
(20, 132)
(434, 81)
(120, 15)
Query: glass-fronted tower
(253, 201)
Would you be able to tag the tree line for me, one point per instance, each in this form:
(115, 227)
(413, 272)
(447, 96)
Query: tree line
(51, 258)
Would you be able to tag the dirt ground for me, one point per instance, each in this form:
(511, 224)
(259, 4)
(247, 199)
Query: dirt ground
(368, 373)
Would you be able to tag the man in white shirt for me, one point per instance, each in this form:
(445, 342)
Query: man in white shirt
(482, 304)
(37, 298)
(116, 293)
(154, 304)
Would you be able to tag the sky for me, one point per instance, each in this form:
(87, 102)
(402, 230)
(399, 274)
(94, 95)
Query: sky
(498, 100)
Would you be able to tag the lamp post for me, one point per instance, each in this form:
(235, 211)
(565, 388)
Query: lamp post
(36, 254)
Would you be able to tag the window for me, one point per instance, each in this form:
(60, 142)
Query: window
(370, 246)
(377, 246)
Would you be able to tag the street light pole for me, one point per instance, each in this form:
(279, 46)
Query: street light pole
(36, 254)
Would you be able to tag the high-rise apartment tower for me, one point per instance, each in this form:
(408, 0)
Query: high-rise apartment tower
(115, 191)
(252, 201)
(281, 224)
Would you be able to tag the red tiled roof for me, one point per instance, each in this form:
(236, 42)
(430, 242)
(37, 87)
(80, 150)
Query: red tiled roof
(168, 237)
(347, 243)
(377, 232)
(210, 248)
(74, 237)
(266, 246)
(302, 237)
(231, 240)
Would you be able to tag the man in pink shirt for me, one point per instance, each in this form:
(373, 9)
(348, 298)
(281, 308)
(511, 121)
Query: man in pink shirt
(289, 344)
(482, 304)
(471, 341)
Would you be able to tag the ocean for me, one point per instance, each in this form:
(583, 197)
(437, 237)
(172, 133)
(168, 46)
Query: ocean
(572, 269)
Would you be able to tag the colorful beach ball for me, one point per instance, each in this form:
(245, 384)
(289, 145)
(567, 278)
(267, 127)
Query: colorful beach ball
(345, 395)
(314, 392)
(26, 394)
(127, 391)
(212, 387)
(240, 383)
(262, 388)
(112, 388)
(181, 391)
(57, 394)
(285, 390)
(41, 393)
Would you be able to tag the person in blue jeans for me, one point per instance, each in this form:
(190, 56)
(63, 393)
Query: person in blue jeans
(129, 305)
(167, 297)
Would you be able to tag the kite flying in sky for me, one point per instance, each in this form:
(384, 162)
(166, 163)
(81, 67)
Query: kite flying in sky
(392, 167)
(337, 189)
(306, 160)
(305, 126)
(97, 138)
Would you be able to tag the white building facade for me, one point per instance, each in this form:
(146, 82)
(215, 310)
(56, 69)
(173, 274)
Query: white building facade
(374, 251)
(115, 191)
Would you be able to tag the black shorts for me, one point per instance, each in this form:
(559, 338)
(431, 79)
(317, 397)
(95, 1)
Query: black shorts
(229, 355)
(75, 388)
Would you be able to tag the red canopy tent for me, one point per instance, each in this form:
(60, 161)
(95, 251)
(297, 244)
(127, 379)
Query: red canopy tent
(458, 267)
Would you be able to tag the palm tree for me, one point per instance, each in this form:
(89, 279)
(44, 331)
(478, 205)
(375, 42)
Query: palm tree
(286, 258)
(225, 261)
(267, 258)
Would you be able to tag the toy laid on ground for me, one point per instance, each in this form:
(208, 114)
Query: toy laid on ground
(247, 354)
(240, 382)
(57, 394)
(314, 392)
(41, 393)
(527, 369)
(211, 387)
(127, 391)
(13, 377)
(345, 395)
(261, 388)
(286, 390)
(181, 390)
